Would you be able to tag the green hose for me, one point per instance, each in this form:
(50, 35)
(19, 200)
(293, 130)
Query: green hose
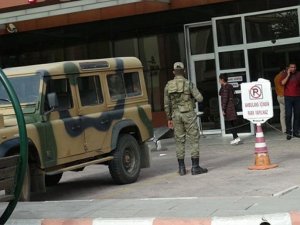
(23, 147)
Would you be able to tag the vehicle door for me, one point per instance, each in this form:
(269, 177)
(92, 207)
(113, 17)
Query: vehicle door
(92, 110)
(63, 132)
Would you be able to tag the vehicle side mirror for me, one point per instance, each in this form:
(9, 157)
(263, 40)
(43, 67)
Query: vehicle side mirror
(52, 100)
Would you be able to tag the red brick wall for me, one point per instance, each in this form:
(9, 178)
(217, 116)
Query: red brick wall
(188, 3)
(159, 119)
(12, 3)
(91, 15)
(98, 14)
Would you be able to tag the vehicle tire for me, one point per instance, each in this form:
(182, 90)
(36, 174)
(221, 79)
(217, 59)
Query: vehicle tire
(51, 180)
(25, 193)
(126, 164)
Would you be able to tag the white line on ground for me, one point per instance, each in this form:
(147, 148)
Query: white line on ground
(280, 193)
(88, 200)
(158, 199)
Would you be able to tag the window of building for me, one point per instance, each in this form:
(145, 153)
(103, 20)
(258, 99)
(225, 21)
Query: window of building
(99, 49)
(90, 90)
(149, 47)
(232, 60)
(272, 26)
(201, 40)
(229, 31)
(61, 87)
(126, 47)
(75, 52)
(157, 66)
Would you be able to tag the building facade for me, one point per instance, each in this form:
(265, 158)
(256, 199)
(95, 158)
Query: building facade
(247, 39)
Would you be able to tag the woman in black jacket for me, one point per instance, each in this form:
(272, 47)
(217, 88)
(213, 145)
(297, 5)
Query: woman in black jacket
(228, 108)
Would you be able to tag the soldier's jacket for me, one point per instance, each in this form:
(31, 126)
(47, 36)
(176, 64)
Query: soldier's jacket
(180, 94)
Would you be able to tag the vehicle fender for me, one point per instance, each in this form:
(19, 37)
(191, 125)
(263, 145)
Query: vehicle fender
(6, 146)
(37, 174)
(123, 124)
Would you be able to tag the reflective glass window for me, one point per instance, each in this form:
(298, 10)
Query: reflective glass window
(126, 47)
(229, 31)
(26, 88)
(201, 40)
(232, 60)
(206, 80)
(272, 26)
(89, 90)
(124, 85)
(61, 87)
(116, 86)
(132, 84)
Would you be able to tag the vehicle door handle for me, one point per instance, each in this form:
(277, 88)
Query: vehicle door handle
(76, 127)
(104, 121)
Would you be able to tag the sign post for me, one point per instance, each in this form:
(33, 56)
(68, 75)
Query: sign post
(257, 105)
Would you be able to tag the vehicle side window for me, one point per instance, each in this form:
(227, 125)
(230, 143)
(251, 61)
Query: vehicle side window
(124, 85)
(132, 84)
(116, 86)
(90, 90)
(63, 91)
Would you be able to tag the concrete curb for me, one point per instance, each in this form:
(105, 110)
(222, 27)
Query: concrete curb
(292, 218)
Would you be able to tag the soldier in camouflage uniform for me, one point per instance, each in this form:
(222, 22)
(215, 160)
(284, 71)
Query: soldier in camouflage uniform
(179, 103)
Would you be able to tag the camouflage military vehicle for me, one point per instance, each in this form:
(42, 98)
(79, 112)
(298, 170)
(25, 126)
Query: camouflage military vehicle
(79, 113)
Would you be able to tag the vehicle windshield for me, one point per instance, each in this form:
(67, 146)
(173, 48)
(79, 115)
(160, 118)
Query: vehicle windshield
(26, 88)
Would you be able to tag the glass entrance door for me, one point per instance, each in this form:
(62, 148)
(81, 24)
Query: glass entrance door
(202, 71)
(256, 45)
(232, 59)
(245, 47)
(205, 74)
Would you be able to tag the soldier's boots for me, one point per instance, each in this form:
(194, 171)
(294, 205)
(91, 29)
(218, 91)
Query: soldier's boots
(182, 170)
(196, 169)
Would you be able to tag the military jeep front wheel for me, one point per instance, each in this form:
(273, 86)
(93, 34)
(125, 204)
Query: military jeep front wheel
(126, 164)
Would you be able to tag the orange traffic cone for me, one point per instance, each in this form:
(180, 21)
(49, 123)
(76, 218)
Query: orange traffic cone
(262, 160)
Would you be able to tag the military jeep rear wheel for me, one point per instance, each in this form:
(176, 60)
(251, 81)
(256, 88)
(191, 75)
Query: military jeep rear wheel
(126, 164)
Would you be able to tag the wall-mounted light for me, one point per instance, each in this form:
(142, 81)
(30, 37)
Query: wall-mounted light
(11, 28)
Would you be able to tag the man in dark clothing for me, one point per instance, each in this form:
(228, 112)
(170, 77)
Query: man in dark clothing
(291, 82)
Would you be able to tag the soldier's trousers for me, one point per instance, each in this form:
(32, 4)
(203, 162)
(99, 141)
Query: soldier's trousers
(186, 129)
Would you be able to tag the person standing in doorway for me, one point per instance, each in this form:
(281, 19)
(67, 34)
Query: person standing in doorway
(228, 108)
(291, 82)
(279, 89)
(179, 104)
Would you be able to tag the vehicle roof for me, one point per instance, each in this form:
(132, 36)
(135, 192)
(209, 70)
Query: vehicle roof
(76, 66)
